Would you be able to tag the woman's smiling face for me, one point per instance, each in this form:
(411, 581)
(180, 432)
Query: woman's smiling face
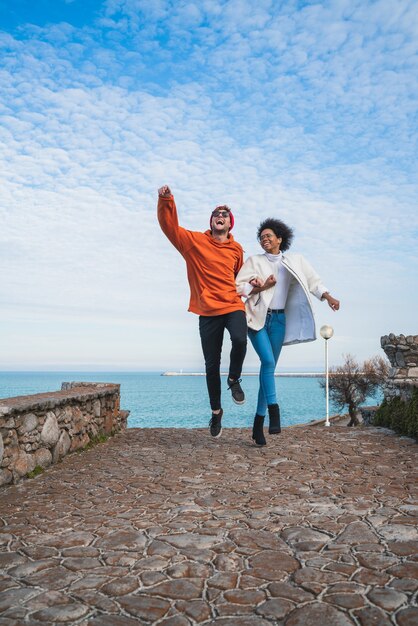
(270, 242)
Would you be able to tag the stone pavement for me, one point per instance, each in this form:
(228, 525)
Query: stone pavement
(172, 527)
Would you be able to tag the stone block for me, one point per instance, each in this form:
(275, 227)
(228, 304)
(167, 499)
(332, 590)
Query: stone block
(8, 422)
(404, 348)
(319, 613)
(1, 448)
(108, 423)
(123, 419)
(79, 421)
(93, 430)
(413, 372)
(43, 457)
(79, 441)
(62, 447)
(23, 464)
(64, 415)
(6, 477)
(50, 430)
(31, 462)
(97, 408)
(11, 452)
(29, 423)
(387, 599)
(10, 438)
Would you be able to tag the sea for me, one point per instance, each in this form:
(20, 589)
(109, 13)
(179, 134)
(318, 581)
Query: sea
(158, 401)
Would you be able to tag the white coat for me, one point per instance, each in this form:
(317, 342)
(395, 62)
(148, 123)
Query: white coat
(300, 322)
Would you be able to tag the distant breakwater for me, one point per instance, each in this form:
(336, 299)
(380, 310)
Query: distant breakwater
(279, 374)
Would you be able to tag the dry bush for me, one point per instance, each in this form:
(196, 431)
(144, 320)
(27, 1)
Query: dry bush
(352, 382)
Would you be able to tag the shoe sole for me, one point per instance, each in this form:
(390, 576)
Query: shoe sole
(216, 436)
(238, 401)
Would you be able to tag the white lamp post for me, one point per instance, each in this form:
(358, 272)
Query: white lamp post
(326, 332)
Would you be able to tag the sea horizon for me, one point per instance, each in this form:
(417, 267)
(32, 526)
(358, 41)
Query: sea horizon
(180, 401)
(139, 370)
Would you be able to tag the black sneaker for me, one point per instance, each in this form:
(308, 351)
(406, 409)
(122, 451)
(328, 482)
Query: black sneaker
(236, 390)
(215, 424)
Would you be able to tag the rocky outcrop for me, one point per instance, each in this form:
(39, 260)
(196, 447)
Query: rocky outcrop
(402, 353)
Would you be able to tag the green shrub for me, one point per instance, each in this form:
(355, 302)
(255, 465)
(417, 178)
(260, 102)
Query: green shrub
(402, 417)
(35, 472)
(95, 440)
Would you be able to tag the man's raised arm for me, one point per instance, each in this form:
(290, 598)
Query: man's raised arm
(167, 217)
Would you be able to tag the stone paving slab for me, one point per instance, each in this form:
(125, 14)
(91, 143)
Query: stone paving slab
(172, 527)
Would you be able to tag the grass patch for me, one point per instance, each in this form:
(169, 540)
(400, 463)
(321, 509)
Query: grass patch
(94, 441)
(402, 417)
(35, 472)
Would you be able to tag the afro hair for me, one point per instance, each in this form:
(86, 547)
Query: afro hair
(280, 229)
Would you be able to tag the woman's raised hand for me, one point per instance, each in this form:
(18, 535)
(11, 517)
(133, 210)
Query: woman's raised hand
(269, 282)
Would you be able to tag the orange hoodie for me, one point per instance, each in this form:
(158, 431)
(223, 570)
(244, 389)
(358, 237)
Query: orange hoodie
(211, 266)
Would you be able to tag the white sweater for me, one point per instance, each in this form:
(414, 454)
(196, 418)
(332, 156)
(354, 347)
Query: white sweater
(300, 323)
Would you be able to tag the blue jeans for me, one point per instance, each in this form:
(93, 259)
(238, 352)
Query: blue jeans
(268, 342)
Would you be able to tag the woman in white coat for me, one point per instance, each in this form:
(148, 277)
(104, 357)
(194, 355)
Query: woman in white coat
(279, 311)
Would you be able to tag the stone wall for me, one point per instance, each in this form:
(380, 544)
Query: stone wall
(402, 353)
(38, 430)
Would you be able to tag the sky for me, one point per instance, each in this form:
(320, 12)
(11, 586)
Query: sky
(305, 111)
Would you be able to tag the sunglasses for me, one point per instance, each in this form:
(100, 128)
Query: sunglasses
(220, 214)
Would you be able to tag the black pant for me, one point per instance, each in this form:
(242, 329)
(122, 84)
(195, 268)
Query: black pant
(211, 335)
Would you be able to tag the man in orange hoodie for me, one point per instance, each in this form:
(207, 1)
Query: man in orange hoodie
(213, 260)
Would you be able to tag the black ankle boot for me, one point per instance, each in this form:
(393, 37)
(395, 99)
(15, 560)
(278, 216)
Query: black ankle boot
(274, 415)
(258, 434)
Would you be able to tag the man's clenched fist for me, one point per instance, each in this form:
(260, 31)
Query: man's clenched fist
(164, 191)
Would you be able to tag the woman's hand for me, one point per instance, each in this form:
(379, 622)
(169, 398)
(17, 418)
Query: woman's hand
(258, 284)
(333, 303)
(269, 282)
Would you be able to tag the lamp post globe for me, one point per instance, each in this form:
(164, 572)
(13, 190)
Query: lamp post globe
(326, 331)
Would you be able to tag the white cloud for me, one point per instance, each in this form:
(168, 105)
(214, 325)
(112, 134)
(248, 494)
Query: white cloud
(305, 114)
